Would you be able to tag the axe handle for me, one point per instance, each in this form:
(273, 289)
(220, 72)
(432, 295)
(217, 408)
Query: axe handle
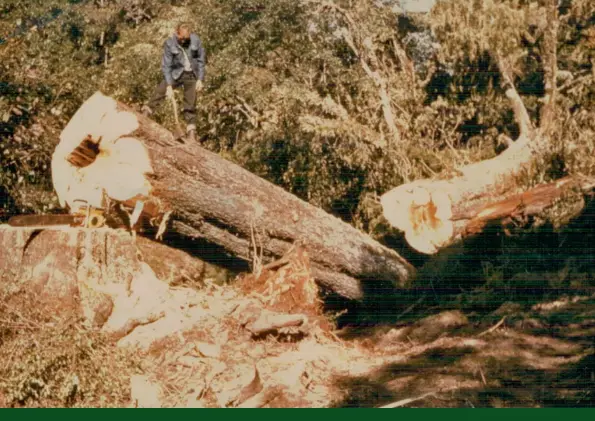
(175, 106)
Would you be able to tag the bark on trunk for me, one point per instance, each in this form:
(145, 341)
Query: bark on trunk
(99, 276)
(213, 199)
(69, 271)
(425, 209)
(177, 267)
(74, 270)
(558, 202)
(435, 214)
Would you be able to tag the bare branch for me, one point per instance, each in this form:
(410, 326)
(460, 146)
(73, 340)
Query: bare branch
(518, 107)
(550, 63)
(368, 61)
(406, 63)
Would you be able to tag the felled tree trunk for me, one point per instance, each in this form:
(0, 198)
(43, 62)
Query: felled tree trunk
(557, 203)
(209, 198)
(426, 210)
(177, 267)
(435, 213)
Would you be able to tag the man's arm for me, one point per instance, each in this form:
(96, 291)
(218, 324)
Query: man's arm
(166, 63)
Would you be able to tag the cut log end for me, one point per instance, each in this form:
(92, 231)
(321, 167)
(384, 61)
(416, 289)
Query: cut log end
(431, 221)
(422, 214)
(97, 158)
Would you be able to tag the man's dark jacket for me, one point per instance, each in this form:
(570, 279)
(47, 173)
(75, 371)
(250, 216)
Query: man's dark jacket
(172, 63)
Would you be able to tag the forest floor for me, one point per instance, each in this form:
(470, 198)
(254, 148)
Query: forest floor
(267, 340)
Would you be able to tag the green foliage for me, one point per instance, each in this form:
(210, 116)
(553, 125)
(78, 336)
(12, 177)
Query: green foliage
(64, 366)
(50, 359)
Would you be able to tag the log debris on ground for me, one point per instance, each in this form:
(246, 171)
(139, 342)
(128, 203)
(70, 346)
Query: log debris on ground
(198, 347)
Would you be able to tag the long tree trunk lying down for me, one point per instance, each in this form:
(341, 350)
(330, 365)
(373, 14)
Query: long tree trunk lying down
(557, 203)
(437, 213)
(109, 150)
(426, 209)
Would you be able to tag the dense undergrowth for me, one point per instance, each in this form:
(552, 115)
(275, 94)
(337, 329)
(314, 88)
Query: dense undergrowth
(51, 359)
(291, 90)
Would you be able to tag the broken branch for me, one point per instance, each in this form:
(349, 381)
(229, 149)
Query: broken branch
(270, 322)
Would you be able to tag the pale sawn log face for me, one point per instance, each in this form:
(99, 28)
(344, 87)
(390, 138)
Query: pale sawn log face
(215, 200)
(94, 159)
(557, 203)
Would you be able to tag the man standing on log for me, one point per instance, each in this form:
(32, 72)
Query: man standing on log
(183, 65)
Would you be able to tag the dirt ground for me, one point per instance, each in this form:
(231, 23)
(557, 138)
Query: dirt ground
(268, 340)
(513, 357)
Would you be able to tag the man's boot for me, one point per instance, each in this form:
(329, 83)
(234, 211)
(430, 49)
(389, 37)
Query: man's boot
(191, 133)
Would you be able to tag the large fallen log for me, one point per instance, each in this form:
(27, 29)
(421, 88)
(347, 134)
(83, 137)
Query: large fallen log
(177, 267)
(435, 214)
(425, 210)
(557, 203)
(108, 153)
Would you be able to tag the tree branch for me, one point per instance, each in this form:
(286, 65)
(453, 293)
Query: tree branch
(518, 106)
(550, 64)
(379, 81)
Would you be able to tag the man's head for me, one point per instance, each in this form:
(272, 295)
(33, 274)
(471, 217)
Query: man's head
(183, 32)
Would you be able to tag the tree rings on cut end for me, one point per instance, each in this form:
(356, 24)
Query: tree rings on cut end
(424, 216)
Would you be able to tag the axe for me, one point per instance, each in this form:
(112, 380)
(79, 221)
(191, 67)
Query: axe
(178, 132)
